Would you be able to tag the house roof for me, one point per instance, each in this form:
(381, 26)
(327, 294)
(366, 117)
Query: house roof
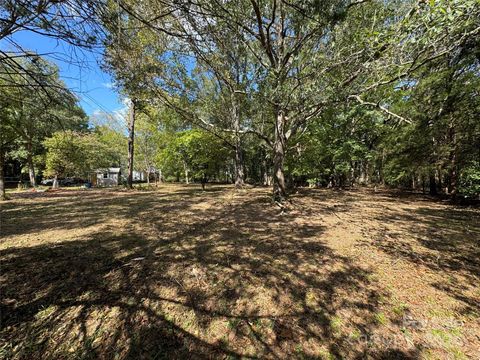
(110, 170)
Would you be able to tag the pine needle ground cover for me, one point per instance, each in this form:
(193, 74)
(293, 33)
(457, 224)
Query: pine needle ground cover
(176, 272)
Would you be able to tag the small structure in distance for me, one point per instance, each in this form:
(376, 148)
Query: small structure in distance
(106, 177)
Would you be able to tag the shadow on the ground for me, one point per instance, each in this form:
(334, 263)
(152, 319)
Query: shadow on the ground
(69, 209)
(445, 240)
(236, 279)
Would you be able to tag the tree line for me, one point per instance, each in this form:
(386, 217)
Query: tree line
(327, 93)
(324, 93)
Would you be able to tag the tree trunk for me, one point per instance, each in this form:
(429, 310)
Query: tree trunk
(131, 138)
(239, 172)
(31, 168)
(279, 188)
(361, 178)
(352, 179)
(264, 170)
(453, 164)
(55, 182)
(433, 185)
(2, 175)
(185, 168)
(382, 179)
(438, 179)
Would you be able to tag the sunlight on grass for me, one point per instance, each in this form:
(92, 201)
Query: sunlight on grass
(219, 273)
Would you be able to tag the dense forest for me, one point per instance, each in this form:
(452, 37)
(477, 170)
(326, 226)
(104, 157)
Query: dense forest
(318, 93)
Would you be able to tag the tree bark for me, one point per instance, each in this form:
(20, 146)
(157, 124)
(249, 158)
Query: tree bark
(55, 182)
(264, 169)
(185, 168)
(239, 174)
(31, 168)
(361, 178)
(433, 185)
(239, 171)
(3, 196)
(453, 164)
(131, 139)
(279, 188)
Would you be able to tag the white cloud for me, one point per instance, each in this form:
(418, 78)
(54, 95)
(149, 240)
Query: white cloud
(121, 114)
(108, 85)
(116, 119)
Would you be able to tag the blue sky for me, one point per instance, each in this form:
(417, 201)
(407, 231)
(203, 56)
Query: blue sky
(82, 75)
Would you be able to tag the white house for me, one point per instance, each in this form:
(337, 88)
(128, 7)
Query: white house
(139, 176)
(107, 177)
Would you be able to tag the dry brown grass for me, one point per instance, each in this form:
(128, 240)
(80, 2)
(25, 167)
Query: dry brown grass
(180, 273)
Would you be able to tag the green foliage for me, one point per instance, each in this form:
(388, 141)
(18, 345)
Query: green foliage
(332, 93)
(336, 147)
(469, 183)
(116, 143)
(194, 152)
(71, 153)
(147, 139)
(34, 110)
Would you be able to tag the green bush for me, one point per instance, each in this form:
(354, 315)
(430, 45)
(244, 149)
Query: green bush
(469, 181)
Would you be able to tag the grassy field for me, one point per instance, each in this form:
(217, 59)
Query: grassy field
(177, 273)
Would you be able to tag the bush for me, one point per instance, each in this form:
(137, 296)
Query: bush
(469, 181)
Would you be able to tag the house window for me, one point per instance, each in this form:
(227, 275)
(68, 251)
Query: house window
(105, 175)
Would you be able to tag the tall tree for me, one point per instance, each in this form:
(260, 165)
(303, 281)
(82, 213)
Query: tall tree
(7, 140)
(71, 153)
(132, 61)
(31, 118)
(305, 57)
(148, 142)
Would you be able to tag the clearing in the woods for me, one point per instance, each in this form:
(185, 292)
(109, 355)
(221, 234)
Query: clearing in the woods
(176, 273)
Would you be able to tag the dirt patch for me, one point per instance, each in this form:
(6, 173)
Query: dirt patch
(180, 273)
